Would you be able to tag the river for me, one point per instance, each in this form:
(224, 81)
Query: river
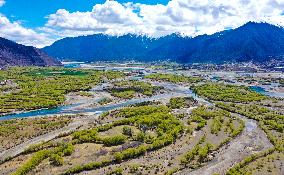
(175, 91)
(262, 90)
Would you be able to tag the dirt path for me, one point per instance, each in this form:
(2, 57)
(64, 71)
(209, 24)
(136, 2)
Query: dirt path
(252, 140)
(12, 152)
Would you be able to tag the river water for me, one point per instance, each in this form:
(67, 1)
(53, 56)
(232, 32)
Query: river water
(262, 90)
(175, 91)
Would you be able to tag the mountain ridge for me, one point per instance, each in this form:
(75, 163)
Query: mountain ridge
(13, 54)
(250, 42)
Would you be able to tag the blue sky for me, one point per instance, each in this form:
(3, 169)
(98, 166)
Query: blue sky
(41, 22)
(32, 13)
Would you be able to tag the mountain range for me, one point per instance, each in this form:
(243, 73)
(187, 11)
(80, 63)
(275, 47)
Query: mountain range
(256, 42)
(13, 54)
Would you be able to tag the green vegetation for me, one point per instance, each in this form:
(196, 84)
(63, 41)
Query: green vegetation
(181, 102)
(281, 82)
(196, 156)
(40, 146)
(217, 124)
(33, 162)
(154, 126)
(266, 162)
(55, 72)
(270, 121)
(221, 120)
(56, 160)
(41, 155)
(127, 131)
(117, 171)
(200, 116)
(46, 87)
(114, 140)
(86, 94)
(13, 132)
(134, 131)
(128, 89)
(227, 93)
(143, 117)
(238, 169)
(134, 168)
(171, 171)
(125, 94)
(173, 78)
(105, 101)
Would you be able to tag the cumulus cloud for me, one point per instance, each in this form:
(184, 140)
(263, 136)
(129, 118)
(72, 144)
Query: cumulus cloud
(16, 32)
(102, 15)
(2, 2)
(112, 12)
(188, 17)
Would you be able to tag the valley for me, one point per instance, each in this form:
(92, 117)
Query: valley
(123, 87)
(140, 119)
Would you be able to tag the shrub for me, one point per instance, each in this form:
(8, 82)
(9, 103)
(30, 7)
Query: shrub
(56, 160)
(140, 137)
(115, 140)
(36, 159)
(68, 150)
(117, 171)
(127, 131)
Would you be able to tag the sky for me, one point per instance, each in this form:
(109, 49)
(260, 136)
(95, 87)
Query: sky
(41, 22)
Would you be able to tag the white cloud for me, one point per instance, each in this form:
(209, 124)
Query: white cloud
(102, 15)
(2, 2)
(16, 32)
(189, 17)
(112, 12)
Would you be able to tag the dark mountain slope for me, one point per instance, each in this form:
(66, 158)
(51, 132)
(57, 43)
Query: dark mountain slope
(13, 54)
(251, 42)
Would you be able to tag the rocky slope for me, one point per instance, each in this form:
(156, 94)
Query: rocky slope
(13, 54)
